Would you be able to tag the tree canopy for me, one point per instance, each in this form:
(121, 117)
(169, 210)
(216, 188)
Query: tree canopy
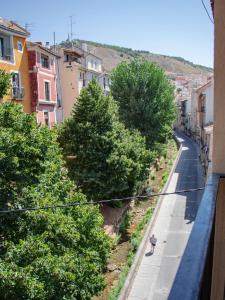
(145, 98)
(107, 160)
(44, 254)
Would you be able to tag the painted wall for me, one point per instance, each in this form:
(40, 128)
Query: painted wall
(93, 63)
(20, 65)
(219, 88)
(69, 77)
(51, 114)
(38, 76)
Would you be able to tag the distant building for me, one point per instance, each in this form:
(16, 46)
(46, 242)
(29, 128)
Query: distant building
(42, 69)
(71, 78)
(76, 67)
(205, 120)
(92, 65)
(14, 60)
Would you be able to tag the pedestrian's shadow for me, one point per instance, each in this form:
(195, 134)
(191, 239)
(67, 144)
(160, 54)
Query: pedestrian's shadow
(150, 253)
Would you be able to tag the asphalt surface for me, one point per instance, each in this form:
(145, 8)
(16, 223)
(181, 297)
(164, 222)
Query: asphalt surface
(155, 274)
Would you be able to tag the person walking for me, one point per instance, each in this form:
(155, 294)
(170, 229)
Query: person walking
(153, 241)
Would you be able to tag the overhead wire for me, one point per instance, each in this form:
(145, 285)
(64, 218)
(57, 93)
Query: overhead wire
(210, 18)
(74, 204)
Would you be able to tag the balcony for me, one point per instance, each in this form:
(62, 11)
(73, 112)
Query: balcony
(201, 274)
(18, 93)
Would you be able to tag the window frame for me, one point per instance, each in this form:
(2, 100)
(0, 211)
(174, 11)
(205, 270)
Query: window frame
(7, 53)
(19, 86)
(49, 91)
(42, 60)
(20, 43)
(48, 118)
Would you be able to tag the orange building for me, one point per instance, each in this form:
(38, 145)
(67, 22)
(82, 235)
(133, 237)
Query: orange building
(14, 60)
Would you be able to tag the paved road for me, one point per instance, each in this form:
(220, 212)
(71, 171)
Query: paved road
(172, 228)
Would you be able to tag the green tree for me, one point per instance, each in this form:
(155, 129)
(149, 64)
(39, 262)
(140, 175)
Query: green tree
(5, 83)
(107, 159)
(44, 254)
(145, 98)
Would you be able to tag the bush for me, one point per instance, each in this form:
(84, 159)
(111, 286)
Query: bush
(135, 242)
(125, 222)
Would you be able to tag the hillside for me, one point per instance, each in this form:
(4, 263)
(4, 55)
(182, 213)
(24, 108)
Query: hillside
(112, 55)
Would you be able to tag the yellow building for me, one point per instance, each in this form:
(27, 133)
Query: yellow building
(14, 59)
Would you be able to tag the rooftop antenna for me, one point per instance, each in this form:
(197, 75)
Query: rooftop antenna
(54, 42)
(28, 26)
(71, 29)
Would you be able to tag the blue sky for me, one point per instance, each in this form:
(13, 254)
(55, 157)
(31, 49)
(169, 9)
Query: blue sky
(171, 27)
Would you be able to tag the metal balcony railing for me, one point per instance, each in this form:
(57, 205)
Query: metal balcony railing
(18, 93)
(194, 277)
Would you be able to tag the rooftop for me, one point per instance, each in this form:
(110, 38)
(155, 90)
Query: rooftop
(13, 27)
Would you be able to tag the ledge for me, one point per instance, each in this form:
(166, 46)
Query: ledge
(188, 281)
(47, 102)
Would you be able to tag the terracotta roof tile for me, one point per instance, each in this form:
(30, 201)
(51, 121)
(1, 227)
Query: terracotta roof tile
(12, 26)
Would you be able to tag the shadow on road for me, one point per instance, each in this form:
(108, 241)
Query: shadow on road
(150, 253)
(190, 176)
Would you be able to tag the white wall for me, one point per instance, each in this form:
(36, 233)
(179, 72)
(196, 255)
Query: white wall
(93, 63)
(209, 104)
(194, 96)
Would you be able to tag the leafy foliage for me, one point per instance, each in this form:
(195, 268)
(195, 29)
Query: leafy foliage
(108, 160)
(5, 83)
(44, 254)
(146, 99)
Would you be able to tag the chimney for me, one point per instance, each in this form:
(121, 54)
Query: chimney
(84, 47)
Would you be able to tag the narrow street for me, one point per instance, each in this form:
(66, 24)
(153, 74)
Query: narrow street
(155, 273)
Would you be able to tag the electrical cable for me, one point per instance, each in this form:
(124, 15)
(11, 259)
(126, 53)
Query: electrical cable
(203, 3)
(97, 202)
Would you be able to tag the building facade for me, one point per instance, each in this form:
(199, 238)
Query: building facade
(14, 60)
(42, 70)
(70, 78)
(76, 68)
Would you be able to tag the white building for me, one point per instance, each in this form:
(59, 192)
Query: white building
(92, 68)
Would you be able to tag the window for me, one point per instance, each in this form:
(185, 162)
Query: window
(92, 63)
(20, 46)
(47, 90)
(46, 118)
(17, 90)
(6, 52)
(1, 47)
(66, 58)
(80, 75)
(44, 61)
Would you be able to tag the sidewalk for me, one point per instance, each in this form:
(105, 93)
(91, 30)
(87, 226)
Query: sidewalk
(155, 273)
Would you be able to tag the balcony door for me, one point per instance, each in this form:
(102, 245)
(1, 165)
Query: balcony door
(16, 85)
